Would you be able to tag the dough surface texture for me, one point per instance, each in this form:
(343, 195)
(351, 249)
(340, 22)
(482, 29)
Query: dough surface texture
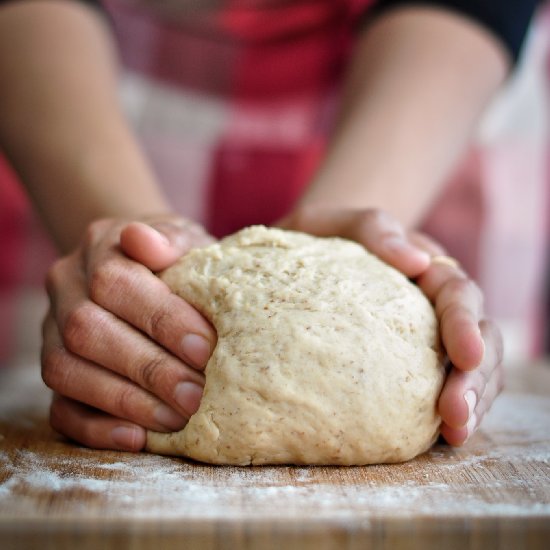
(325, 354)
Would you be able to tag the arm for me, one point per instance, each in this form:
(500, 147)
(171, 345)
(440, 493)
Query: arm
(418, 83)
(61, 124)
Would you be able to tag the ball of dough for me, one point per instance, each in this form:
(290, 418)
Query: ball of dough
(325, 354)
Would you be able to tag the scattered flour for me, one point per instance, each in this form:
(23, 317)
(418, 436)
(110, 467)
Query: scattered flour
(504, 471)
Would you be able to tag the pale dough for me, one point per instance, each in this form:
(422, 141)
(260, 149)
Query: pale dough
(325, 354)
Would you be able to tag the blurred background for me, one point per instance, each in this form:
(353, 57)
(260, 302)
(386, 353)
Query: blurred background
(492, 214)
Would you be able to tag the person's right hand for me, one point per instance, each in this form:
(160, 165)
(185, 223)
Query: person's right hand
(122, 352)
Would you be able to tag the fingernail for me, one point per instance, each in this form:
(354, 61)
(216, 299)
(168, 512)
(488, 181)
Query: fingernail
(471, 400)
(188, 395)
(196, 349)
(158, 235)
(175, 234)
(126, 437)
(402, 246)
(168, 418)
(471, 426)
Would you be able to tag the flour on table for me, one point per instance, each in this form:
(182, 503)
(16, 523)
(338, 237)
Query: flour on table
(444, 481)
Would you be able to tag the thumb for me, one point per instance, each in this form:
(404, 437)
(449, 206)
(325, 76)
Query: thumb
(378, 231)
(157, 245)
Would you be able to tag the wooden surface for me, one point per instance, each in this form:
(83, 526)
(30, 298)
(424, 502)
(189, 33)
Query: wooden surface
(493, 493)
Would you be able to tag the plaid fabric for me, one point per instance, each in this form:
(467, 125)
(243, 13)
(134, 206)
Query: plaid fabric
(233, 106)
(264, 74)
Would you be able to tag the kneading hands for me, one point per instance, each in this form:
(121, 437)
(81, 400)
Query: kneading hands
(123, 354)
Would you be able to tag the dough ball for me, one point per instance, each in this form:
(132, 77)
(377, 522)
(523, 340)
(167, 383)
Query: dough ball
(325, 354)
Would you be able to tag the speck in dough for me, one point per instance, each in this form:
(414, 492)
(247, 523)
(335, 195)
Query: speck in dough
(325, 354)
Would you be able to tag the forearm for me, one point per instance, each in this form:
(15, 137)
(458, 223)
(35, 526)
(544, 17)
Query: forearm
(417, 86)
(61, 125)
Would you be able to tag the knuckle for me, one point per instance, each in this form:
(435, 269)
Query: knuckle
(124, 401)
(449, 297)
(451, 313)
(77, 326)
(158, 322)
(107, 278)
(52, 367)
(151, 370)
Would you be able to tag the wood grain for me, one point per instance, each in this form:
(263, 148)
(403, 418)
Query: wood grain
(493, 493)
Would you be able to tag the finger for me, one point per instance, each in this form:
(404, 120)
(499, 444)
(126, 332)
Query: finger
(455, 406)
(374, 229)
(458, 303)
(158, 245)
(455, 436)
(468, 395)
(97, 335)
(83, 381)
(458, 307)
(94, 428)
(493, 388)
(459, 436)
(131, 292)
(436, 275)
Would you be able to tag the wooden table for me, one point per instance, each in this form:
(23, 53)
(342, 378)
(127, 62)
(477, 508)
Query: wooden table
(493, 493)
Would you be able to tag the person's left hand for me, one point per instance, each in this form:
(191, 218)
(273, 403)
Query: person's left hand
(472, 342)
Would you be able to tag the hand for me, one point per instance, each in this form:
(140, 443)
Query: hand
(473, 343)
(121, 352)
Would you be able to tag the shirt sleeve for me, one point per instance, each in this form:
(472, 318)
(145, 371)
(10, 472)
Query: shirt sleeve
(508, 20)
(95, 3)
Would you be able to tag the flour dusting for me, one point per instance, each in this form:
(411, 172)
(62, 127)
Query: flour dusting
(504, 472)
